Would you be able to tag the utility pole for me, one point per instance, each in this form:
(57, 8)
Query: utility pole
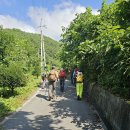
(41, 47)
(43, 56)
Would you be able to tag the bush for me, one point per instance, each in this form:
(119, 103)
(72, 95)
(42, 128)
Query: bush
(2, 75)
(36, 71)
(12, 76)
(101, 43)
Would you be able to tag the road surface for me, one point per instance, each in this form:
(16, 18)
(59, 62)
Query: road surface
(63, 113)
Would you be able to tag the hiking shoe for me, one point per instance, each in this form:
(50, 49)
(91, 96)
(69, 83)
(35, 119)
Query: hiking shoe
(49, 99)
(78, 98)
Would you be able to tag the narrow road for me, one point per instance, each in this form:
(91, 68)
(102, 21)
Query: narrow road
(63, 113)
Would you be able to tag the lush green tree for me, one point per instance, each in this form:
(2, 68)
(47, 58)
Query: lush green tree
(99, 44)
(20, 56)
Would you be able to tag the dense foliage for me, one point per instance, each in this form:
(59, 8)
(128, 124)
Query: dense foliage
(100, 45)
(10, 104)
(20, 57)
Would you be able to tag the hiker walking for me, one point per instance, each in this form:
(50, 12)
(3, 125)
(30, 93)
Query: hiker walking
(62, 76)
(71, 76)
(44, 80)
(79, 85)
(74, 76)
(52, 77)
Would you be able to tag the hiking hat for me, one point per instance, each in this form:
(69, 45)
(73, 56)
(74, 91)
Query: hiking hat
(53, 67)
(62, 69)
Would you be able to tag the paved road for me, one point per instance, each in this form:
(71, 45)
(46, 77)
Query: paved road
(63, 113)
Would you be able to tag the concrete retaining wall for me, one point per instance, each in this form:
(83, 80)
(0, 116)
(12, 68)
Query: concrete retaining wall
(113, 109)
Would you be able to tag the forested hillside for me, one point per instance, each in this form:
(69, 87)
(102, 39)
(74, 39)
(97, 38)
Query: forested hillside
(20, 66)
(20, 56)
(100, 45)
(52, 47)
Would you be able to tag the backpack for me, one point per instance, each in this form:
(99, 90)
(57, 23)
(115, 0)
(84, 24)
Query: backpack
(79, 78)
(75, 73)
(62, 74)
(52, 76)
(43, 76)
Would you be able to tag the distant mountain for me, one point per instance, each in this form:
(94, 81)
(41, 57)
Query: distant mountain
(52, 47)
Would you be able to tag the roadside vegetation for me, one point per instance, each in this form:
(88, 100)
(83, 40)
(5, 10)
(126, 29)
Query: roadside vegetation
(10, 103)
(100, 45)
(20, 66)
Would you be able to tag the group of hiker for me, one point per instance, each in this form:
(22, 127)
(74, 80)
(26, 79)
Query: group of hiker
(49, 80)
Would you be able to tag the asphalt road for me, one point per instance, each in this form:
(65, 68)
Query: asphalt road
(62, 113)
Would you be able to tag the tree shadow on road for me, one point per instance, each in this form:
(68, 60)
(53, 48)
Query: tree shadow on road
(21, 122)
(81, 114)
(63, 108)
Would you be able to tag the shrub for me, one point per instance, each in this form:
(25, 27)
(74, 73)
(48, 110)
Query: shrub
(12, 76)
(36, 71)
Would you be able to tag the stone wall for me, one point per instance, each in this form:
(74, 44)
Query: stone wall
(115, 111)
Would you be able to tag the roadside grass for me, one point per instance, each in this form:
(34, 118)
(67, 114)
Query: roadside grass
(128, 101)
(1, 128)
(9, 105)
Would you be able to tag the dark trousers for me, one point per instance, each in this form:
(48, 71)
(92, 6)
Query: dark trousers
(62, 84)
(74, 81)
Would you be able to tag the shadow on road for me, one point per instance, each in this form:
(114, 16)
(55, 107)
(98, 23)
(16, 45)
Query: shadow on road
(80, 113)
(42, 96)
(38, 123)
(65, 107)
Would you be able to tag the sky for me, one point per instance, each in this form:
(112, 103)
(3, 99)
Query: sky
(26, 15)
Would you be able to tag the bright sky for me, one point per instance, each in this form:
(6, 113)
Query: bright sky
(26, 14)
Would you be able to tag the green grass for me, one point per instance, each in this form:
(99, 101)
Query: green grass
(128, 101)
(1, 128)
(9, 105)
